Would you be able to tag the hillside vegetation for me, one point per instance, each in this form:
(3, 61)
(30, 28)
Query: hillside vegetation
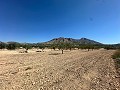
(60, 43)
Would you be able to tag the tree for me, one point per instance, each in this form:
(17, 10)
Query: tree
(53, 46)
(109, 47)
(41, 46)
(2, 45)
(61, 46)
(69, 46)
(11, 46)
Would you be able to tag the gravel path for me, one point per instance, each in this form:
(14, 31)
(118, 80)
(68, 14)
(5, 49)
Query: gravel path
(73, 70)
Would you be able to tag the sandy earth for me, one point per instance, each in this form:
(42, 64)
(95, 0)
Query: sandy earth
(49, 70)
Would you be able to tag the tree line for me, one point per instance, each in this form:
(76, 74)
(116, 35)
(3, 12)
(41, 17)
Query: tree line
(60, 46)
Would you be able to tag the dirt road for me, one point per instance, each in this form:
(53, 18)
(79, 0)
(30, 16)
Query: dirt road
(73, 70)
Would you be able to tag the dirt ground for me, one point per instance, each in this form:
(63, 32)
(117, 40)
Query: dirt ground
(51, 70)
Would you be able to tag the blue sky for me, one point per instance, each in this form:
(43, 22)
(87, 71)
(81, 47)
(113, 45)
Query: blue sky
(42, 20)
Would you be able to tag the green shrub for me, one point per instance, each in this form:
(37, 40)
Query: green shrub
(116, 55)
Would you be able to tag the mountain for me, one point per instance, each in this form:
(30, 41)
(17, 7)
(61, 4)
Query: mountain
(60, 40)
(12, 42)
(2, 42)
(71, 40)
(88, 41)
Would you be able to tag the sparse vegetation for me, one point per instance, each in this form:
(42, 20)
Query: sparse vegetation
(116, 55)
(11, 46)
(2, 45)
(41, 46)
(61, 43)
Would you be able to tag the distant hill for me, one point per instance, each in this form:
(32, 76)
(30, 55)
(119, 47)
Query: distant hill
(71, 40)
(2, 42)
(66, 41)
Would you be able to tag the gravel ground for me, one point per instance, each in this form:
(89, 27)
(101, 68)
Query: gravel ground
(51, 70)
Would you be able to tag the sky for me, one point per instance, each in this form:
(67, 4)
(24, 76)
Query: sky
(43, 20)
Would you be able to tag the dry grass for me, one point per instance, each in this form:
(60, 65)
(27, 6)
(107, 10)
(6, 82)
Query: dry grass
(116, 55)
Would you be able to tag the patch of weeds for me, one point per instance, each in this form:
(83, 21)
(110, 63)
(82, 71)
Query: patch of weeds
(117, 61)
(116, 57)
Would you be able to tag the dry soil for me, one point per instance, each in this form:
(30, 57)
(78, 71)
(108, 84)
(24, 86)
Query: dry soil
(51, 70)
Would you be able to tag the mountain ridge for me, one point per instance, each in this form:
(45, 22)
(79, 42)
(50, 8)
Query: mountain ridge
(71, 40)
(63, 40)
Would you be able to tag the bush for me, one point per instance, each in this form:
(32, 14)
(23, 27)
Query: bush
(116, 55)
(11, 46)
(2, 45)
